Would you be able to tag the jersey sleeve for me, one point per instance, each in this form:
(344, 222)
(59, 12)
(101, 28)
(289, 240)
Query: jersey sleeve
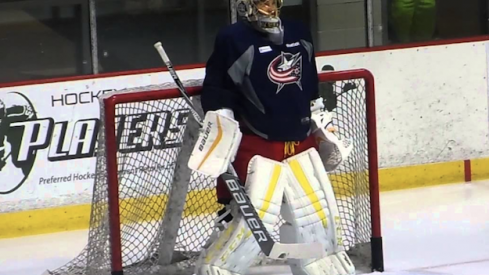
(218, 89)
(314, 76)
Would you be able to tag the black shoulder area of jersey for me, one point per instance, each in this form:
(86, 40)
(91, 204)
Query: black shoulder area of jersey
(295, 29)
(234, 31)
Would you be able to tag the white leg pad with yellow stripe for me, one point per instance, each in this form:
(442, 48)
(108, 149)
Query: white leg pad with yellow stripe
(312, 215)
(217, 144)
(235, 249)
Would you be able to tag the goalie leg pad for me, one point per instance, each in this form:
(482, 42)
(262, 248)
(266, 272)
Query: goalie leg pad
(216, 146)
(312, 215)
(235, 249)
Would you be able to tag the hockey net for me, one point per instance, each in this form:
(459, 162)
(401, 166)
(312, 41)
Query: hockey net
(152, 215)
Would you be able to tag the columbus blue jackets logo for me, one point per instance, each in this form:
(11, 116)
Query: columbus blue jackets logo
(286, 69)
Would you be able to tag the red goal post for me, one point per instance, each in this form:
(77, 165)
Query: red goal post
(151, 214)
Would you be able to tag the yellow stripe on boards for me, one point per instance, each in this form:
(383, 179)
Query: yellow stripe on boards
(203, 202)
(421, 175)
(480, 169)
(74, 217)
(306, 186)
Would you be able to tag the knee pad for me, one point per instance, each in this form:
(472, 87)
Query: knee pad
(235, 249)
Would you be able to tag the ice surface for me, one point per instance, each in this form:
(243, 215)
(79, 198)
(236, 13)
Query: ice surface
(439, 230)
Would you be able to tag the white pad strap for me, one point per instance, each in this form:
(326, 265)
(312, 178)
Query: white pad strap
(313, 216)
(217, 144)
(236, 248)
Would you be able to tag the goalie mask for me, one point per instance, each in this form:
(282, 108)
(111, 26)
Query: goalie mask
(264, 16)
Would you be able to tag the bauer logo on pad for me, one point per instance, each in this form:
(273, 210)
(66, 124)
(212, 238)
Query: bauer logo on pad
(205, 136)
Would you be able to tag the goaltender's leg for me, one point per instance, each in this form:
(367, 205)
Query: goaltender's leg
(310, 209)
(312, 215)
(235, 249)
(258, 163)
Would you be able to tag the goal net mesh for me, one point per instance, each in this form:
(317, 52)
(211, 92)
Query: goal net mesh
(167, 212)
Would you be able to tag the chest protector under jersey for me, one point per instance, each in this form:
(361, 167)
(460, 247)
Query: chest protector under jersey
(268, 86)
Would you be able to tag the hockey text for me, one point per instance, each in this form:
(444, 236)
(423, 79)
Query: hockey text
(70, 99)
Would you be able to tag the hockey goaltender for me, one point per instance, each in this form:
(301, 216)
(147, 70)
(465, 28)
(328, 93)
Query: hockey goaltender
(263, 115)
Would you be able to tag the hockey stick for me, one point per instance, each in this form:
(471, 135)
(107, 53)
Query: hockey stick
(269, 247)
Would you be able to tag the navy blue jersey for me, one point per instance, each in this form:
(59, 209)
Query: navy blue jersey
(269, 87)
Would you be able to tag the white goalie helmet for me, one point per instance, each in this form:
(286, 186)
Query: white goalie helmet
(263, 14)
